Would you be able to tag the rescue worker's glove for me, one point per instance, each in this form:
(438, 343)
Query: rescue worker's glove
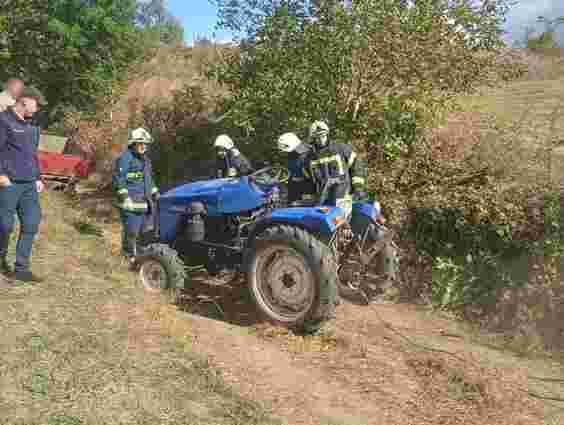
(275, 195)
(122, 197)
(360, 196)
(127, 204)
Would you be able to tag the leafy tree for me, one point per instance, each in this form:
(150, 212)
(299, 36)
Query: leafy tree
(71, 49)
(379, 70)
(99, 42)
(155, 18)
(245, 18)
(76, 50)
(23, 39)
(548, 38)
(152, 12)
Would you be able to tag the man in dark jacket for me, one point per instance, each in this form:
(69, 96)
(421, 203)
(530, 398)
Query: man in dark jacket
(20, 183)
(135, 190)
(231, 162)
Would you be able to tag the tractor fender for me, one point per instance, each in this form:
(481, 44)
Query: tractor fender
(259, 227)
(314, 220)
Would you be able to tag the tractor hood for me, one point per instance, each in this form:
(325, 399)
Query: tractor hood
(220, 196)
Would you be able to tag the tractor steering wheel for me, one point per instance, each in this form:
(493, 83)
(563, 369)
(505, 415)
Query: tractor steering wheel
(277, 176)
(260, 171)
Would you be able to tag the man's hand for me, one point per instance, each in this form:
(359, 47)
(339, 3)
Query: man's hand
(122, 196)
(40, 186)
(360, 196)
(156, 196)
(5, 181)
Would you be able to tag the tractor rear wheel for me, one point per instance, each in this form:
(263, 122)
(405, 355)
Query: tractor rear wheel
(292, 278)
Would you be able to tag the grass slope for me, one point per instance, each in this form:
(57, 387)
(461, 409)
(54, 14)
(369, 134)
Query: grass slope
(73, 354)
(529, 136)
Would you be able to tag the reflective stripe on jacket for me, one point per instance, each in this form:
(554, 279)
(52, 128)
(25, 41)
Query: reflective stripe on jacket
(336, 160)
(133, 181)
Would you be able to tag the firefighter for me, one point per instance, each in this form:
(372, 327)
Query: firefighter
(337, 163)
(335, 169)
(231, 162)
(135, 190)
(300, 186)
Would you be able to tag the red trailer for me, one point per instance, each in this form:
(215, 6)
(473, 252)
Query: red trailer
(64, 170)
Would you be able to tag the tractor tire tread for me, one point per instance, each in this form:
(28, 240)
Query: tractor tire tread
(169, 259)
(319, 258)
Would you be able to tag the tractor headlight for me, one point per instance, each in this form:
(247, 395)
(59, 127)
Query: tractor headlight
(337, 221)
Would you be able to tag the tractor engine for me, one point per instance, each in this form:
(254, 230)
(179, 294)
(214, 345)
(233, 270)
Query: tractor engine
(208, 240)
(194, 225)
(198, 226)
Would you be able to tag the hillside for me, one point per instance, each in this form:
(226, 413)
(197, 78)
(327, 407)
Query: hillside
(532, 113)
(169, 70)
(90, 347)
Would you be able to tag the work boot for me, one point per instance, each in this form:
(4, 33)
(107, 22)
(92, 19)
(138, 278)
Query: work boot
(24, 276)
(131, 250)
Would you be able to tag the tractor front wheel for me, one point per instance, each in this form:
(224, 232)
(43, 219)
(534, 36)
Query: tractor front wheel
(160, 268)
(292, 278)
(381, 269)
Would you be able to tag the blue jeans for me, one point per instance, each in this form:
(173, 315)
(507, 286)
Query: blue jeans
(21, 199)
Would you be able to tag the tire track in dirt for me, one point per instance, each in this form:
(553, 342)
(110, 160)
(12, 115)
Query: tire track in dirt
(367, 379)
(299, 392)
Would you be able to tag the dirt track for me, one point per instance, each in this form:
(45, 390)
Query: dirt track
(377, 370)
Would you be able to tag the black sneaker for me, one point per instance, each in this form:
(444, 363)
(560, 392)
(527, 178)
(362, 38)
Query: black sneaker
(5, 267)
(25, 276)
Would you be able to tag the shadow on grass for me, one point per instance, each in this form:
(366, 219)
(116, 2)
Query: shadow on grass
(224, 297)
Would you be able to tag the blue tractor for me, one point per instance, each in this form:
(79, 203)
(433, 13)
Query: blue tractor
(292, 257)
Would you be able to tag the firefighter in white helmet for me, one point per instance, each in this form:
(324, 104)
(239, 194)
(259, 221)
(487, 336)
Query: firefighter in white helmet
(231, 162)
(135, 189)
(300, 185)
(336, 168)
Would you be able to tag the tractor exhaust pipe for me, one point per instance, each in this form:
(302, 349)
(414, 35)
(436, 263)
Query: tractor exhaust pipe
(156, 221)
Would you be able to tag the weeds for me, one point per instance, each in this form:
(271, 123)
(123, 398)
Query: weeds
(297, 343)
(64, 420)
(460, 388)
(39, 384)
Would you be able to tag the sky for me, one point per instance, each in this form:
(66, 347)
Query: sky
(526, 12)
(200, 16)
